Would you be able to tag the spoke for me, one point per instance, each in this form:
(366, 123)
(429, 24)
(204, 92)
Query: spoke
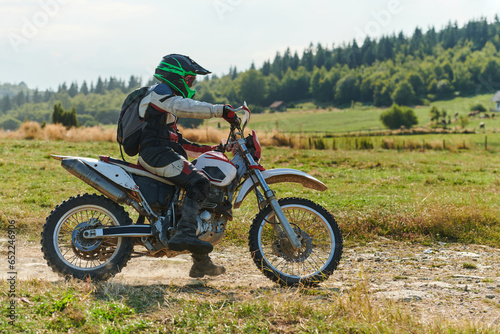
(317, 247)
(82, 259)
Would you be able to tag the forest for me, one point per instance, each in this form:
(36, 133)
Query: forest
(411, 70)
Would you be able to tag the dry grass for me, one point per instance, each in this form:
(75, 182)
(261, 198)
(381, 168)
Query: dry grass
(83, 307)
(33, 130)
(55, 132)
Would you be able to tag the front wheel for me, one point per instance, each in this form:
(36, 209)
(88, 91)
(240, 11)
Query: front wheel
(320, 236)
(70, 254)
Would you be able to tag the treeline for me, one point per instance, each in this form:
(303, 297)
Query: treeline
(412, 70)
(94, 104)
(394, 69)
(17, 95)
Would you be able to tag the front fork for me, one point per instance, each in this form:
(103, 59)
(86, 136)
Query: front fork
(270, 198)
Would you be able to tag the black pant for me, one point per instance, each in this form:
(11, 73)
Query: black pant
(166, 161)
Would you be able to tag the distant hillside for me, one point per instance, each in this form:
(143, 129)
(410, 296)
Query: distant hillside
(408, 70)
(427, 66)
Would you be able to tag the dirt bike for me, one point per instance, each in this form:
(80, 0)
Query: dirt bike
(292, 240)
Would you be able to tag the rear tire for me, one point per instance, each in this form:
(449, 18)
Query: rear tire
(71, 255)
(321, 240)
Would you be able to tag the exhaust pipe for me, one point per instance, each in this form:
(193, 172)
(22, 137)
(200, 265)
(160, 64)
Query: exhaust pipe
(100, 183)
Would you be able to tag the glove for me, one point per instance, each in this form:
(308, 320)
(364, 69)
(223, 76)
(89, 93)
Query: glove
(228, 113)
(219, 148)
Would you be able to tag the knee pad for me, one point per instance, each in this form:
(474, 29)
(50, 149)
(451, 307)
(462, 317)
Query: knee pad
(199, 189)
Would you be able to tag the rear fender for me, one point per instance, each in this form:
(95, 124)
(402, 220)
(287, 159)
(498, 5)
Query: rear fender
(280, 175)
(113, 173)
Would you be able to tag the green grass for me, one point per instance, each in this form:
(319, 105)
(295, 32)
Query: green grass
(412, 195)
(363, 118)
(79, 307)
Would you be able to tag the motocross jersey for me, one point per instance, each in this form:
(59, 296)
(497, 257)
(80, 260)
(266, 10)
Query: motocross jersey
(160, 108)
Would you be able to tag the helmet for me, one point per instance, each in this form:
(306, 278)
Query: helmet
(179, 72)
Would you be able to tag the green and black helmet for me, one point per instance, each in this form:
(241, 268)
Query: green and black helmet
(179, 72)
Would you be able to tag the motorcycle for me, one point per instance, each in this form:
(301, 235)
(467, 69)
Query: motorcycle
(292, 240)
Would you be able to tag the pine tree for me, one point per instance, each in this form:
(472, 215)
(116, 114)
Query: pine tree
(73, 89)
(20, 98)
(57, 114)
(66, 118)
(99, 88)
(84, 89)
(6, 103)
(133, 83)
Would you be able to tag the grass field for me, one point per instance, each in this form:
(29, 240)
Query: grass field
(362, 118)
(417, 194)
(77, 307)
(424, 195)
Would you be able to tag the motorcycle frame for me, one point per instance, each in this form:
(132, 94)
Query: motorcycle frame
(257, 179)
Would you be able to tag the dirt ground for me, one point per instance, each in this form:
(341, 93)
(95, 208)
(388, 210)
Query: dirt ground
(446, 280)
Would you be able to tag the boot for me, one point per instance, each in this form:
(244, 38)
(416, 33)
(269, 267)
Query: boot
(203, 265)
(185, 238)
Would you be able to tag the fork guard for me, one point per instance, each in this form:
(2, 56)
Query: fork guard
(280, 175)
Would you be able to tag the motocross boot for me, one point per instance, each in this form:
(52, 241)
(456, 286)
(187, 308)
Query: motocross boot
(185, 238)
(203, 265)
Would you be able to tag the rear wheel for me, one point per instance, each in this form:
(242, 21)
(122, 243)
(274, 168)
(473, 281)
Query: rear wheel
(320, 236)
(70, 254)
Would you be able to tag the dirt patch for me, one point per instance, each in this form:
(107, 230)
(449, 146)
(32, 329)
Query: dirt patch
(446, 280)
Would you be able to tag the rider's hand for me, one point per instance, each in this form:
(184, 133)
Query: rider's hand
(219, 148)
(228, 113)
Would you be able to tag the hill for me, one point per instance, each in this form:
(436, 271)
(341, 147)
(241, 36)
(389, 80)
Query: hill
(416, 70)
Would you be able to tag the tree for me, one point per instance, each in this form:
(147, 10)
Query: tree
(73, 89)
(66, 118)
(190, 122)
(347, 89)
(295, 84)
(37, 97)
(435, 114)
(84, 89)
(404, 94)
(99, 88)
(20, 98)
(479, 107)
(252, 87)
(6, 103)
(382, 91)
(417, 83)
(322, 83)
(207, 96)
(308, 58)
(10, 123)
(397, 117)
(266, 68)
(133, 83)
(444, 88)
(57, 114)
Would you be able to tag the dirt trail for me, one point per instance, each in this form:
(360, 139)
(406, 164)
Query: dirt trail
(448, 280)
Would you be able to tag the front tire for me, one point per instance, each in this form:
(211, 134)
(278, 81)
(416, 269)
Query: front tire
(321, 241)
(70, 254)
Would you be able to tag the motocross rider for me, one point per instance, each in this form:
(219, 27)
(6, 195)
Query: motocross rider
(162, 149)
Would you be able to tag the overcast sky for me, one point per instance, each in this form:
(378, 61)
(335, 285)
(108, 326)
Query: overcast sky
(47, 42)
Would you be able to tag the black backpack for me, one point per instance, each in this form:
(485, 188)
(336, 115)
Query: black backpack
(130, 125)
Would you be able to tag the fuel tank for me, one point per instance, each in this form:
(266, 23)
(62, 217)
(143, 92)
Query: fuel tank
(217, 167)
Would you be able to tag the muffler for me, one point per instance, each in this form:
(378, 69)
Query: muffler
(100, 183)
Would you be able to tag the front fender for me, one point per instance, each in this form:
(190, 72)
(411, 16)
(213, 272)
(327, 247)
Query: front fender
(280, 175)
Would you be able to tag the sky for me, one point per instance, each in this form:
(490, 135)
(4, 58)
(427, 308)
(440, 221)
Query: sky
(47, 42)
